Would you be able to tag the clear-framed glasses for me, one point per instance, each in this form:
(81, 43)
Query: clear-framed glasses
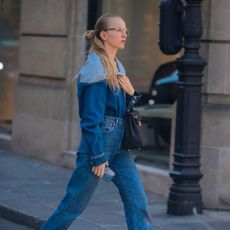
(120, 30)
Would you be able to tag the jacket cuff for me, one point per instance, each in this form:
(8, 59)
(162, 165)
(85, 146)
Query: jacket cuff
(98, 159)
(132, 100)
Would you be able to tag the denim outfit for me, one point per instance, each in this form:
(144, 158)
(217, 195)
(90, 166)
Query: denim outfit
(101, 110)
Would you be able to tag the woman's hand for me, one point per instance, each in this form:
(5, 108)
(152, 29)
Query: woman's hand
(126, 84)
(100, 169)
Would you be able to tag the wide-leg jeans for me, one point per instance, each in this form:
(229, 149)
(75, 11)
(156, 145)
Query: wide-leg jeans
(83, 183)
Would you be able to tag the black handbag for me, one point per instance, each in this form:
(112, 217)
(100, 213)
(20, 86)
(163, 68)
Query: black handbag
(133, 137)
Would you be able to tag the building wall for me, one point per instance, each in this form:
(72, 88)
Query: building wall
(215, 145)
(51, 50)
(45, 121)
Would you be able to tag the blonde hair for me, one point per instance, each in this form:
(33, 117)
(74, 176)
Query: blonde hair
(97, 46)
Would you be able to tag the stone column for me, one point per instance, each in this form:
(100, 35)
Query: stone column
(215, 144)
(51, 51)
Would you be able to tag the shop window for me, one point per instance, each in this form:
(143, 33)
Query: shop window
(9, 42)
(145, 65)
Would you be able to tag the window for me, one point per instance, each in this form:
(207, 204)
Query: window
(144, 62)
(9, 41)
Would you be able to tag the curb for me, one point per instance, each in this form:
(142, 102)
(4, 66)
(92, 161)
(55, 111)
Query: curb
(20, 217)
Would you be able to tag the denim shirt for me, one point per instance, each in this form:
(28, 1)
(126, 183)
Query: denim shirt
(97, 99)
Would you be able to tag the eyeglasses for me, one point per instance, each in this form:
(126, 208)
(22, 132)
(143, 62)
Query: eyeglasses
(120, 30)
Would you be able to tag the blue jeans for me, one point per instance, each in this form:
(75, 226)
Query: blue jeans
(83, 183)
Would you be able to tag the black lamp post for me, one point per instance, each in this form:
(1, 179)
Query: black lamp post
(185, 192)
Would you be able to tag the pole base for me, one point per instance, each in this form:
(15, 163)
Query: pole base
(184, 204)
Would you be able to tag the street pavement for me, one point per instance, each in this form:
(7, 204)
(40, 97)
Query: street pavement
(30, 189)
(9, 225)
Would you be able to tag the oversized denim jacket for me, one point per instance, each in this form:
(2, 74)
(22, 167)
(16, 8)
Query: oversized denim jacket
(97, 99)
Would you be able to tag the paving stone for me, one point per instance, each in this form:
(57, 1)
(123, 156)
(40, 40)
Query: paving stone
(219, 225)
(8, 225)
(82, 225)
(189, 226)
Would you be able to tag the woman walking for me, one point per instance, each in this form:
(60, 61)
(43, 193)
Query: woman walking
(104, 94)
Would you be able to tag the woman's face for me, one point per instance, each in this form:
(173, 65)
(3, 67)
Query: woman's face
(115, 34)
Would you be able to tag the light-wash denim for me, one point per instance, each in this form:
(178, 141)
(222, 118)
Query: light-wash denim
(83, 183)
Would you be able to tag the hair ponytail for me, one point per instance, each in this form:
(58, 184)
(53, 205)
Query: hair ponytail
(97, 46)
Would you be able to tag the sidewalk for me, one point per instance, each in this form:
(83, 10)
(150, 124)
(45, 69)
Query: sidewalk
(30, 189)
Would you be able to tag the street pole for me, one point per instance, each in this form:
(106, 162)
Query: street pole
(185, 192)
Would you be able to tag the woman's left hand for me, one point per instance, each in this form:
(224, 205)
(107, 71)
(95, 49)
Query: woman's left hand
(126, 85)
(100, 169)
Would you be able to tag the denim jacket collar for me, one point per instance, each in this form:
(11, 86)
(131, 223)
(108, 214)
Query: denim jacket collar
(94, 70)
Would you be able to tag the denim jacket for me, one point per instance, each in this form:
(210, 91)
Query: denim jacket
(97, 99)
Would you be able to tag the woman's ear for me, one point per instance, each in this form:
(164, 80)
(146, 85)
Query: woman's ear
(103, 35)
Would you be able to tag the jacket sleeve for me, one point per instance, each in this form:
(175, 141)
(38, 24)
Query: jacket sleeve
(92, 116)
(132, 100)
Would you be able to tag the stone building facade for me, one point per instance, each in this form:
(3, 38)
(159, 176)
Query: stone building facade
(215, 145)
(51, 49)
(45, 119)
